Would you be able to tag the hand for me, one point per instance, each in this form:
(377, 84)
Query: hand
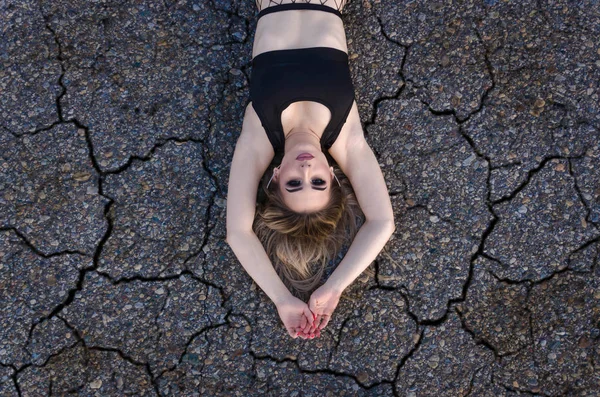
(322, 303)
(296, 317)
(310, 331)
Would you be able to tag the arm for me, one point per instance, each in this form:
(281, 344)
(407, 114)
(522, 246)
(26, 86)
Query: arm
(252, 155)
(357, 161)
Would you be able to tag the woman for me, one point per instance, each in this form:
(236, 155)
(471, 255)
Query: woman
(302, 102)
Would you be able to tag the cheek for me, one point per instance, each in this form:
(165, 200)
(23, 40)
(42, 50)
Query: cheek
(285, 174)
(324, 169)
(286, 164)
(284, 171)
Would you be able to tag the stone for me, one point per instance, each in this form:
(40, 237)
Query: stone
(373, 349)
(564, 347)
(540, 240)
(375, 61)
(429, 259)
(88, 370)
(496, 312)
(442, 369)
(30, 70)
(148, 230)
(28, 298)
(42, 192)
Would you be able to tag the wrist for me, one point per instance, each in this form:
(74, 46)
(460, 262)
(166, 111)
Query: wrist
(336, 286)
(281, 298)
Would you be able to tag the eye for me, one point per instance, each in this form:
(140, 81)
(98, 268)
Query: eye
(294, 183)
(318, 182)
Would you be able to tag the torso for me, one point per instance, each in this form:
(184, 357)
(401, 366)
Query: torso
(300, 29)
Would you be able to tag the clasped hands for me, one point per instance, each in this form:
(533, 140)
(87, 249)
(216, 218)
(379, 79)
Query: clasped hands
(307, 320)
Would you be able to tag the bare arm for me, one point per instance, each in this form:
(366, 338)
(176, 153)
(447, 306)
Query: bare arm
(358, 162)
(252, 155)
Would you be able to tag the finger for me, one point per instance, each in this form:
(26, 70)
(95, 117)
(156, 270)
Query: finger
(325, 321)
(306, 332)
(318, 321)
(303, 321)
(292, 333)
(309, 315)
(312, 305)
(307, 328)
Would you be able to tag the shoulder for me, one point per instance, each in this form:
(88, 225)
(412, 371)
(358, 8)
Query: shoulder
(251, 119)
(253, 135)
(351, 136)
(253, 152)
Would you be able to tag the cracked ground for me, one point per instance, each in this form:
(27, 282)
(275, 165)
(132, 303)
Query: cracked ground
(118, 122)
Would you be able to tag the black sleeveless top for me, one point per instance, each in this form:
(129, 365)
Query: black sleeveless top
(319, 74)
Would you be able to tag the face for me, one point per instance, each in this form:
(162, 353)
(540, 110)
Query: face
(304, 179)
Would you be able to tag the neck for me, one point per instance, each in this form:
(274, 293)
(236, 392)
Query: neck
(300, 137)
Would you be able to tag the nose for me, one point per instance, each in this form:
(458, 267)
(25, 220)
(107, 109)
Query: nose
(305, 167)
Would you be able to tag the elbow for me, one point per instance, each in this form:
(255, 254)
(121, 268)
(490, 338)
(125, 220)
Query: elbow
(386, 226)
(234, 236)
(390, 226)
(230, 237)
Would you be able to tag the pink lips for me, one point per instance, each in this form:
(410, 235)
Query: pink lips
(305, 156)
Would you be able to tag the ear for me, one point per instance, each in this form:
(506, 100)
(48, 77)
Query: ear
(276, 173)
(331, 171)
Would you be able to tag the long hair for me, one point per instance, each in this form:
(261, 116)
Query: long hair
(301, 245)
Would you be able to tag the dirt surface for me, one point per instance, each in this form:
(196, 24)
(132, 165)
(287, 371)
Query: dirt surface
(118, 122)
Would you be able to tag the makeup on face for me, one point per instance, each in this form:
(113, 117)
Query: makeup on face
(295, 185)
(305, 156)
(308, 169)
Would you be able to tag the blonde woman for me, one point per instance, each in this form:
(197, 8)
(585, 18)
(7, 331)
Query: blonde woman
(302, 106)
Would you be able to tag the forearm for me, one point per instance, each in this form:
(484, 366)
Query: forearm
(369, 241)
(254, 259)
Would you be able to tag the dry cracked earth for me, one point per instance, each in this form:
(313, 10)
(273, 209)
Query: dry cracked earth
(118, 122)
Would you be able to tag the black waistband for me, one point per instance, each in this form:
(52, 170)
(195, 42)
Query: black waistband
(298, 6)
(293, 55)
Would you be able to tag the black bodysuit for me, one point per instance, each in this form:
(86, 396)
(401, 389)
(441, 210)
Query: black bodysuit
(319, 74)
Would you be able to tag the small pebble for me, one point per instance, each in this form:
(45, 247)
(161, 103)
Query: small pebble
(96, 384)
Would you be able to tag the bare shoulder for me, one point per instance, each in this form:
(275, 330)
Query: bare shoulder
(251, 157)
(350, 139)
(357, 160)
(253, 135)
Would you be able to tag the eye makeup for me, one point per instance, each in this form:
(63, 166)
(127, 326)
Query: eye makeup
(296, 185)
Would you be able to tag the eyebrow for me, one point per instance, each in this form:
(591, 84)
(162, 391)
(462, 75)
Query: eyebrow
(300, 188)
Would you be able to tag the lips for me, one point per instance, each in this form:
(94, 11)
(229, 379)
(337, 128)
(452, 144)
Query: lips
(305, 156)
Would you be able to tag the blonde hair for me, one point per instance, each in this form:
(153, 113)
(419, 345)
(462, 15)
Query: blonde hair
(300, 245)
